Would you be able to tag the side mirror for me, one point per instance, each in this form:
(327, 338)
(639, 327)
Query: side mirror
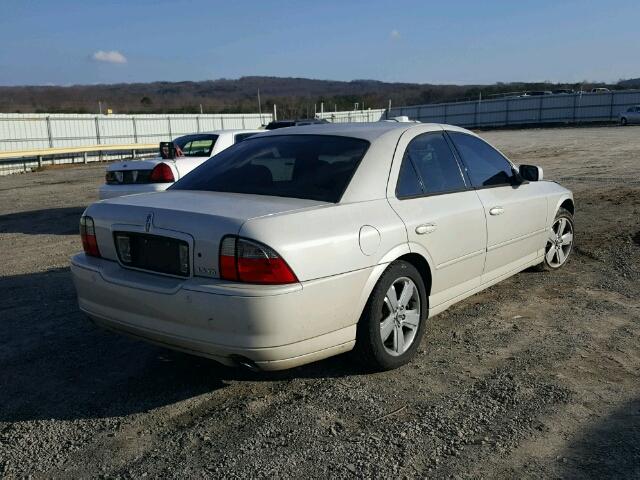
(531, 173)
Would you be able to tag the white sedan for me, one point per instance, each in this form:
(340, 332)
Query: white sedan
(299, 244)
(156, 174)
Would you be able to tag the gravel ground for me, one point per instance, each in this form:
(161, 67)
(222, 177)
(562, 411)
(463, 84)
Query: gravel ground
(535, 377)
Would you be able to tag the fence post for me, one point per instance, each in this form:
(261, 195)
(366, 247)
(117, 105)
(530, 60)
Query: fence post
(445, 113)
(243, 121)
(97, 130)
(506, 111)
(198, 123)
(540, 110)
(135, 130)
(169, 123)
(575, 97)
(221, 122)
(611, 108)
(49, 132)
(475, 114)
(84, 158)
(39, 161)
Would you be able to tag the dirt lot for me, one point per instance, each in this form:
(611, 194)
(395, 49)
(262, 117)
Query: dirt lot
(538, 376)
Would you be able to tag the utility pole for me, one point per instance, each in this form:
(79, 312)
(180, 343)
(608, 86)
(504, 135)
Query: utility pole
(321, 108)
(200, 109)
(275, 113)
(259, 105)
(100, 107)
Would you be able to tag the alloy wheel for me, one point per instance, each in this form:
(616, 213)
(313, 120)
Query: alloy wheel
(400, 317)
(559, 242)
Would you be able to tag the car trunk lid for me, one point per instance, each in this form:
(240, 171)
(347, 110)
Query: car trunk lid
(199, 219)
(132, 172)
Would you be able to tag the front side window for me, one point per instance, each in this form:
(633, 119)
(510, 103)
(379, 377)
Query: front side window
(314, 167)
(429, 167)
(485, 165)
(196, 145)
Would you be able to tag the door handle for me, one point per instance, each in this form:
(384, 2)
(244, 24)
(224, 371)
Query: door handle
(426, 228)
(496, 211)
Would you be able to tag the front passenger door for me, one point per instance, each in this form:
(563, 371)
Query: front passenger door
(516, 212)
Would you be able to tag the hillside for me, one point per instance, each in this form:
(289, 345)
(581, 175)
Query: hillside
(630, 83)
(295, 97)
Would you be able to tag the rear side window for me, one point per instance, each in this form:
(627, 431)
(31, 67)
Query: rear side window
(196, 145)
(314, 167)
(485, 165)
(429, 167)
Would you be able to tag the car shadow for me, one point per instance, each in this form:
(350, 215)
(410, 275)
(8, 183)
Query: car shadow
(609, 448)
(57, 365)
(52, 221)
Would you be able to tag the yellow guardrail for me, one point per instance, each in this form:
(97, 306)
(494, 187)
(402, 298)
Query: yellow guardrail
(47, 152)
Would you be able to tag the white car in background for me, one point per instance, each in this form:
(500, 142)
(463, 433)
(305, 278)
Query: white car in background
(156, 174)
(299, 244)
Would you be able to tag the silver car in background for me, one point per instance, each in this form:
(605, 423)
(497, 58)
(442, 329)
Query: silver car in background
(631, 116)
(303, 243)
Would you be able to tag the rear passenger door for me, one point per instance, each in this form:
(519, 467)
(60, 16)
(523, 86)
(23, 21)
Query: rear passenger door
(444, 218)
(515, 211)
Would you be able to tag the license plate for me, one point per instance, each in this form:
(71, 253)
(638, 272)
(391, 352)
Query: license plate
(153, 253)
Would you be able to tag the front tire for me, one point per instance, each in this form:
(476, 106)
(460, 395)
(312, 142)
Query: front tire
(393, 321)
(559, 241)
(623, 121)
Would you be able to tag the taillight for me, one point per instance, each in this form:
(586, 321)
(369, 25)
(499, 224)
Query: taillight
(88, 236)
(162, 173)
(248, 261)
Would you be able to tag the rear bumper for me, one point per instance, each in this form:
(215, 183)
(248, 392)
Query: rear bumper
(276, 327)
(112, 191)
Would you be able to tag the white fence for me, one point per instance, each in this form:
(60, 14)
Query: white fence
(40, 131)
(354, 116)
(544, 109)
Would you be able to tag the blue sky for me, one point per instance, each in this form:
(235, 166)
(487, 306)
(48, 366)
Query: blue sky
(64, 42)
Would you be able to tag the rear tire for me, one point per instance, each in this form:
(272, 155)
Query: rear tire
(394, 318)
(559, 242)
(623, 121)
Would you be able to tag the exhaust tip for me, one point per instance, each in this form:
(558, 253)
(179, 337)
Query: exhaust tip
(245, 363)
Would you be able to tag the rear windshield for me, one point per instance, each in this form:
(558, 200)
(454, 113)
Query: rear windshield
(314, 167)
(196, 145)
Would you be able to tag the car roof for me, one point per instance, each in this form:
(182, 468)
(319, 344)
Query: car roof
(231, 131)
(370, 131)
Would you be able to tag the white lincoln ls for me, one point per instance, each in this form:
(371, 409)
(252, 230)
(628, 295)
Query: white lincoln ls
(302, 243)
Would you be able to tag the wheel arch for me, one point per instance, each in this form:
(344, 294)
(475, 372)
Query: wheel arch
(422, 265)
(568, 205)
(401, 252)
